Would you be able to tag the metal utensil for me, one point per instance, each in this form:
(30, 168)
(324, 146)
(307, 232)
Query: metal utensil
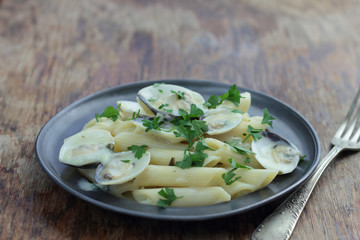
(281, 223)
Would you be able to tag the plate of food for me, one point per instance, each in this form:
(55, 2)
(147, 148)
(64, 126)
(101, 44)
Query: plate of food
(178, 149)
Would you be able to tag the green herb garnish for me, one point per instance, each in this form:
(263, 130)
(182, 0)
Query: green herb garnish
(169, 195)
(152, 99)
(163, 105)
(267, 119)
(237, 111)
(138, 150)
(239, 149)
(152, 124)
(191, 128)
(238, 165)
(229, 177)
(109, 112)
(180, 95)
(302, 158)
(254, 133)
(135, 115)
(232, 95)
(196, 158)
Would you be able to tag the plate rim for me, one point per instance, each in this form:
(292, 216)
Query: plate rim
(301, 180)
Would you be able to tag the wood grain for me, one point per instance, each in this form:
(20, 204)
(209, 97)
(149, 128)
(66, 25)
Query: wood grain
(53, 53)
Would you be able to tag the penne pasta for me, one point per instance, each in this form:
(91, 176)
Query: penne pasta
(188, 197)
(170, 176)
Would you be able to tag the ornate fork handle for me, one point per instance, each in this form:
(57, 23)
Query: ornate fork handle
(281, 223)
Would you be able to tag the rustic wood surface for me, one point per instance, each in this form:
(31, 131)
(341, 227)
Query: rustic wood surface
(52, 53)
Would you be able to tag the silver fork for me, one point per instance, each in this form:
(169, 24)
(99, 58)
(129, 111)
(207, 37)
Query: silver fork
(281, 223)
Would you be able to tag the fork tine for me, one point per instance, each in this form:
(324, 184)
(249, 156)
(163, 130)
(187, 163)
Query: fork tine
(352, 125)
(342, 127)
(356, 136)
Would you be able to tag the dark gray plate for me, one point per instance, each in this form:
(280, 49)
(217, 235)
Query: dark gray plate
(289, 124)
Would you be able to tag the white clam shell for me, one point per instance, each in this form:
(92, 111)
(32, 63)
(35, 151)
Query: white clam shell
(276, 153)
(162, 98)
(120, 168)
(86, 147)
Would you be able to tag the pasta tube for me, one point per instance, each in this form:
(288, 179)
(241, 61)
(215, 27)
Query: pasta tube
(189, 197)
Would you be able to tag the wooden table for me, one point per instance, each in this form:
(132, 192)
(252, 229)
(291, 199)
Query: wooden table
(52, 53)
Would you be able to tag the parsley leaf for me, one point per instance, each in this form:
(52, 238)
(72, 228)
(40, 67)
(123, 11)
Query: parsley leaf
(239, 149)
(152, 124)
(135, 115)
(138, 150)
(238, 165)
(152, 99)
(195, 112)
(267, 119)
(109, 112)
(229, 177)
(202, 145)
(180, 95)
(163, 105)
(232, 95)
(191, 128)
(254, 133)
(237, 111)
(213, 101)
(169, 195)
(186, 132)
(197, 158)
(302, 158)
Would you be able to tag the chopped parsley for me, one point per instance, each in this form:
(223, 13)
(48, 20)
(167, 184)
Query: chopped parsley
(302, 158)
(125, 161)
(237, 111)
(232, 95)
(239, 149)
(254, 133)
(135, 115)
(267, 119)
(196, 158)
(109, 112)
(213, 101)
(180, 95)
(229, 177)
(152, 99)
(190, 127)
(138, 150)
(152, 124)
(238, 165)
(162, 106)
(169, 195)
